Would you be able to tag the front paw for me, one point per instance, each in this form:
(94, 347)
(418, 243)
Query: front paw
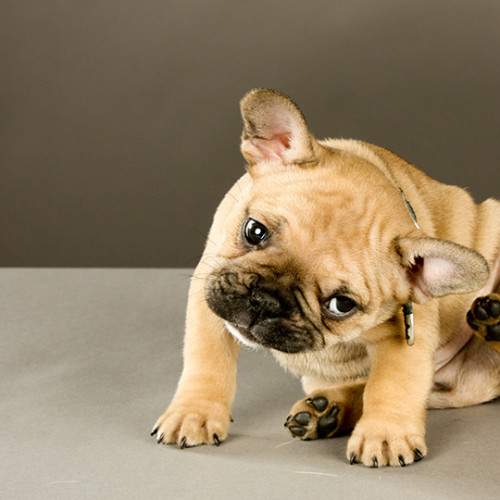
(314, 417)
(191, 423)
(376, 443)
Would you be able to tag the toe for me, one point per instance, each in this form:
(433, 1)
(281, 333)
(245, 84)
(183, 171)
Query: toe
(471, 322)
(328, 424)
(481, 313)
(493, 332)
(303, 418)
(320, 403)
(494, 308)
(297, 431)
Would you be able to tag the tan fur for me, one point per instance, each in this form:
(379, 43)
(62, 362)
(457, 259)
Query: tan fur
(338, 221)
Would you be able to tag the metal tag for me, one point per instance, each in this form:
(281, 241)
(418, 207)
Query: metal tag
(409, 324)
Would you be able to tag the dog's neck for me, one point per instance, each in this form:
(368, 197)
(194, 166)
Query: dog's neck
(408, 307)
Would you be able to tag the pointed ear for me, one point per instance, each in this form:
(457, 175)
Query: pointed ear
(274, 129)
(438, 267)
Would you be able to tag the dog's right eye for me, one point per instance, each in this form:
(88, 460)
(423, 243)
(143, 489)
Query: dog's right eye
(255, 233)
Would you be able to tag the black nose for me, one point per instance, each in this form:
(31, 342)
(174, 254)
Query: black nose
(265, 303)
(247, 302)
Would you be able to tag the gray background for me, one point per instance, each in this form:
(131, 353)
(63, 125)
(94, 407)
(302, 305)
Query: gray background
(120, 123)
(89, 359)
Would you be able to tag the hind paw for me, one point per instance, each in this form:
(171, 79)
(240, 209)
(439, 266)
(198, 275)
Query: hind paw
(484, 317)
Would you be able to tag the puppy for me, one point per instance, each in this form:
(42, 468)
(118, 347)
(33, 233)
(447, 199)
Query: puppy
(357, 271)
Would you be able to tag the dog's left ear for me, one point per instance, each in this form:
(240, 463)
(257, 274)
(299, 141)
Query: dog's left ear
(274, 129)
(437, 267)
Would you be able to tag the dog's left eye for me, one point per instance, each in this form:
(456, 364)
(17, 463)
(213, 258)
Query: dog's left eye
(341, 306)
(255, 233)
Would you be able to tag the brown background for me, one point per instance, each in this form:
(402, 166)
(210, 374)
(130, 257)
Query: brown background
(119, 124)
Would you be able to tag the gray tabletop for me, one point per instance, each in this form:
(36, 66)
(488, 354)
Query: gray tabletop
(90, 359)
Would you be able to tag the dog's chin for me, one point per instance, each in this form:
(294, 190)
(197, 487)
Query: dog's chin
(270, 337)
(243, 335)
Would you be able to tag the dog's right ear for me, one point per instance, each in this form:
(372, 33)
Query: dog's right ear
(274, 129)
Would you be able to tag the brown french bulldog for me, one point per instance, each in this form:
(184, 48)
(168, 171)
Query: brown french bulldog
(357, 271)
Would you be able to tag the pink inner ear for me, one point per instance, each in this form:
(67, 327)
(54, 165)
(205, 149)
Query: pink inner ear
(438, 271)
(431, 276)
(284, 138)
(267, 149)
(276, 135)
(277, 140)
(276, 132)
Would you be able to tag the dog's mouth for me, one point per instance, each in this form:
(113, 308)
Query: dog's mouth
(244, 335)
(273, 334)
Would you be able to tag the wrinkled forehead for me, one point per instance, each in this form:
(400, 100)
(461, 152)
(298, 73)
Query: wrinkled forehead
(314, 205)
(333, 222)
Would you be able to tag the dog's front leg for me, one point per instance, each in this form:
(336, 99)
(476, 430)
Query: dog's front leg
(200, 410)
(392, 428)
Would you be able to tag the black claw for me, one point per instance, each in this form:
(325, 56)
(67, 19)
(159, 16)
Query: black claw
(231, 419)
(159, 438)
(402, 461)
(287, 420)
(154, 431)
(352, 459)
(297, 431)
(216, 440)
(303, 418)
(374, 463)
(418, 455)
(334, 411)
(183, 443)
(320, 404)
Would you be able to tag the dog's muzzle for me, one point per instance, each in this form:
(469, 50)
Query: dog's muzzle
(259, 313)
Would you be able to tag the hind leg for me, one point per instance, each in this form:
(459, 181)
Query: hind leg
(484, 318)
(471, 378)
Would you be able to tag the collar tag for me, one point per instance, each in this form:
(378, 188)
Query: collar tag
(409, 324)
(410, 209)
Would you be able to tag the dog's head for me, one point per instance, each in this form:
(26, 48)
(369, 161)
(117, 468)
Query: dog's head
(320, 246)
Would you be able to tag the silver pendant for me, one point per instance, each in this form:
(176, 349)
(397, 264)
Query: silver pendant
(409, 324)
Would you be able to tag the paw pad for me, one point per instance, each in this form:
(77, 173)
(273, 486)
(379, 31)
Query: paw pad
(319, 419)
(484, 317)
(303, 418)
(320, 403)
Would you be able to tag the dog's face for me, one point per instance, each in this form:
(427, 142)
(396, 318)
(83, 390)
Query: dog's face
(319, 247)
(307, 261)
